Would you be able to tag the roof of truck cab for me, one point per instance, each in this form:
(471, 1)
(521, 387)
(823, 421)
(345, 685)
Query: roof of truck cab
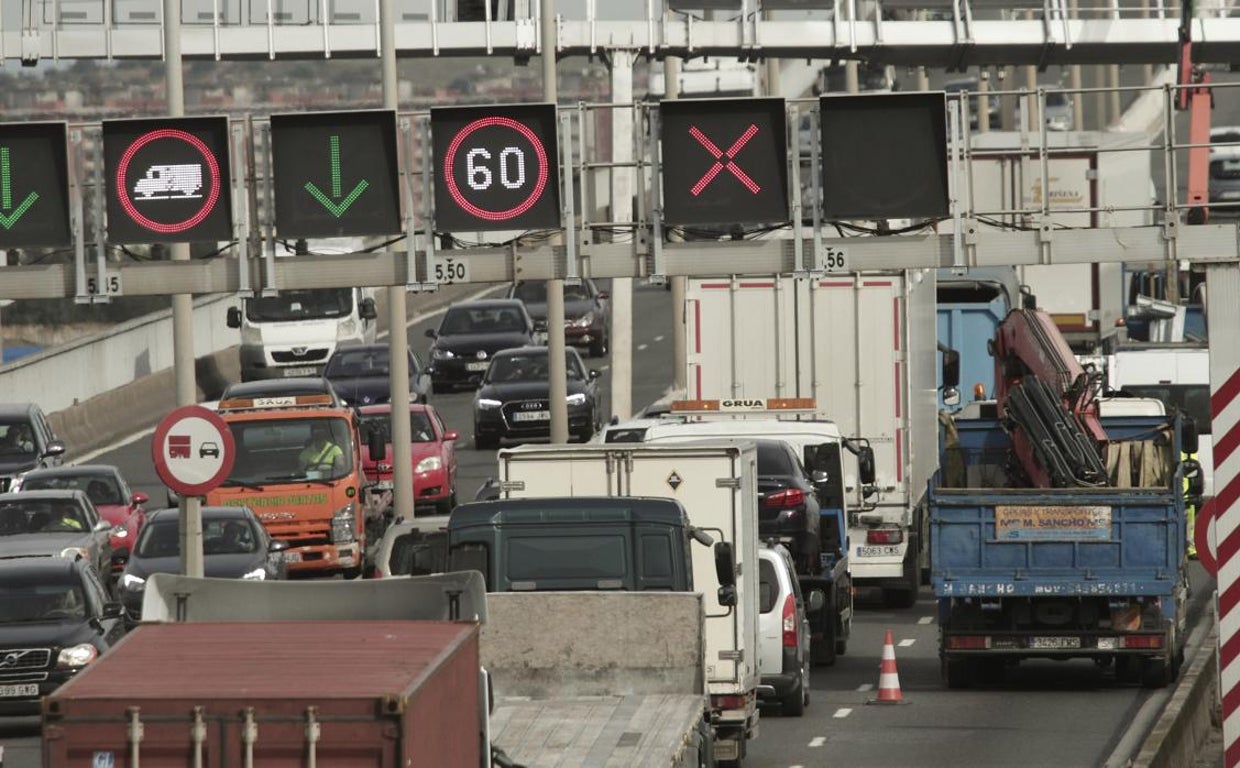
(629, 509)
(793, 431)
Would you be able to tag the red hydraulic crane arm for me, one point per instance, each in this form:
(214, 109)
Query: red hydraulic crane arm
(1195, 96)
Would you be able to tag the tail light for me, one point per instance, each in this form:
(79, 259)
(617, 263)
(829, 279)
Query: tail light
(1143, 641)
(789, 497)
(727, 701)
(790, 622)
(884, 536)
(968, 642)
(378, 574)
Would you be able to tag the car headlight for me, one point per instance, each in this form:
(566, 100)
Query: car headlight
(132, 583)
(120, 533)
(442, 354)
(346, 330)
(585, 321)
(342, 524)
(487, 404)
(258, 574)
(75, 553)
(429, 464)
(577, 399)
(76, 656)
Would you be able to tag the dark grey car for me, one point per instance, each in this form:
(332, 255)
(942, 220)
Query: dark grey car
(235, 546)
(587, 312)
(26, 441)
(470, 334)
(61, 523)
(361, 375)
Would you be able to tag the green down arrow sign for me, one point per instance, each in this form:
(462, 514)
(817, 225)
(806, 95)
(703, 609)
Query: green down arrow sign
(7, 219)
(336, 209)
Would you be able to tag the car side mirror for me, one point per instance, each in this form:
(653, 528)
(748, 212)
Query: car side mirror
(430, 333)
(951, 396)
(817, 601)
(1188, 435)
(174, 499)
(54, 448)
(725, 566)
(819, 477)
(102, 526)
(594, 373)
(234, 317)
(112, 611)
(451, 435)
(139, 498)
(366, 309)
(602, 295)
(120, 556)
(277, 545)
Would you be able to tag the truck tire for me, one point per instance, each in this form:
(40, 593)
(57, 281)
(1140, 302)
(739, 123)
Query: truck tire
(793, 705)
(906, 596)
(822, 652)
(1155, 673)
(957, 673)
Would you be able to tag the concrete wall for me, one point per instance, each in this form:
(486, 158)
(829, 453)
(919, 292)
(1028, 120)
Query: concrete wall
(1189, 716)
(547, 644)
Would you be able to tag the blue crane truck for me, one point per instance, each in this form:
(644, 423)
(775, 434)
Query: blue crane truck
(1060, 572)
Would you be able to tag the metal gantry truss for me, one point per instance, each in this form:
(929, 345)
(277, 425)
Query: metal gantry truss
(597, 244)
(961, 33)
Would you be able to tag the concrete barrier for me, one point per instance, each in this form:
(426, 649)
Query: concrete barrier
(1187, 719)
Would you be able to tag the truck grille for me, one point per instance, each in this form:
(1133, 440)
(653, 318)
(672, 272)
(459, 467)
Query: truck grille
(23, 677)
(311, 356)
(19, 659)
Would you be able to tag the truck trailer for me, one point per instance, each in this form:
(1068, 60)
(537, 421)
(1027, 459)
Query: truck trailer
(862, 347)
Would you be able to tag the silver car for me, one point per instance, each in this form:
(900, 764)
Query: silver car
(60, 523)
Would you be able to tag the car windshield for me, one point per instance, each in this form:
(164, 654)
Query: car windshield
(41, 602)
(291, 450)
(301, 305)
(420, 429)
(16, 440)
(101, 489)
(535, 292)
(773, 460)
(529, 367)
(465, 320)
(369, 362)
(41, 516)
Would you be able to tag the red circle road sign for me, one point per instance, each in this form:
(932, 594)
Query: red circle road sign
(193, 450)
(1203, 531)
(213, 170)
(541, 169)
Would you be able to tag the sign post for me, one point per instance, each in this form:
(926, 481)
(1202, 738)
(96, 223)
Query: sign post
(193, 452)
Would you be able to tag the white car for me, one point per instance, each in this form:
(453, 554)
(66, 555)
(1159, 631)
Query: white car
(416, 547)
(783, 632)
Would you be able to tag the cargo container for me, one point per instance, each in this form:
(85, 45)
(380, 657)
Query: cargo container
(378, 693)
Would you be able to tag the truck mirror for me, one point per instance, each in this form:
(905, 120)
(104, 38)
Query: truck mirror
(817, 601)
(818, 477)
(377, 445)
(366, 309)
(865, 464)
(1191, 469)
(951, 396)
(951, 368)
(725, 567)
(727, 596)
(430, 333)
(234, 317)
(1188, 435)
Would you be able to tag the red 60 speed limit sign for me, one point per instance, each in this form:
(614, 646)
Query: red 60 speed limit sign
(496, 167)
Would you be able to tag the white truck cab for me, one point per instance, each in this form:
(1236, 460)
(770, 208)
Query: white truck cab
(294, 332)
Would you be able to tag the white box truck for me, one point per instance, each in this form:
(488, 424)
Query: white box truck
(863, 347)
(717, 485)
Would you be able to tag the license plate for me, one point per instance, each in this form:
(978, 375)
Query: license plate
(479, 366)
(532, 416)
(382, 485)
(303, 371)
(11, 691)
(1054, 643)
(886, 550)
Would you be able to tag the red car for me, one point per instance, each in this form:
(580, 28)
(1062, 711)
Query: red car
(104, 485)
(433, 450)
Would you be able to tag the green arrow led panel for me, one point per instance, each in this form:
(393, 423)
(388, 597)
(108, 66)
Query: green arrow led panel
(34, 185)
(336, 174)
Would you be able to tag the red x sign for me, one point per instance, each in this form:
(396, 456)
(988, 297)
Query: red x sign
(724, 160)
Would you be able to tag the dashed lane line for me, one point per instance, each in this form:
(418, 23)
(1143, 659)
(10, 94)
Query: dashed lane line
(658, 338)
(642, 347)
(865, 687)
(906, 642)
(818, 741)
(926, 620)
(840, 714)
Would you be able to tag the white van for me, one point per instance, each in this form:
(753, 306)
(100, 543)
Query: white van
(783, 632)
(294, 332)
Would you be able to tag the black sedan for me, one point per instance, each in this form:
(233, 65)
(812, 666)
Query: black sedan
(55, 619)
(234, 545)
(60, 523)
(587, 312)
(513, 400)
(470, 334)
(787, 504)
(361, 373)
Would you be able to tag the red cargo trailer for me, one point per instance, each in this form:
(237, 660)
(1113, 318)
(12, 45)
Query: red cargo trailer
(339, 694)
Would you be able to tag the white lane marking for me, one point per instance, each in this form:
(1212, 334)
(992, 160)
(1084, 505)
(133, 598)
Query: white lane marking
(865, 687)
(604, 367)
(818, 741)
(840, 714)
(926, 620)
(906, 642)
(435, 312)
(642, 347)
(658, 338)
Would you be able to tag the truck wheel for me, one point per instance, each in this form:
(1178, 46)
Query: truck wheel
(905, 596)
(956, 673)
(446, 506)
(822, 651)
(1155, 673)
(793, 705)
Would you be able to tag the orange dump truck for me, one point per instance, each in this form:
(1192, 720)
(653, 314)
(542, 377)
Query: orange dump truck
(305, 493)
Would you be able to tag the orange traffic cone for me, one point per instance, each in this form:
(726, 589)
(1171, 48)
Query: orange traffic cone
(888, 677)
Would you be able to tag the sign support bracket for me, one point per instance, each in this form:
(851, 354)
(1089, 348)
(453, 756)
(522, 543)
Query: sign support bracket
(792, 129)
(101, 253)
(268, 224)
(815, 153)
(241, 218)
(412, 283)
(568, 212)
(77, 193)
(658, 274)
(428, 204)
